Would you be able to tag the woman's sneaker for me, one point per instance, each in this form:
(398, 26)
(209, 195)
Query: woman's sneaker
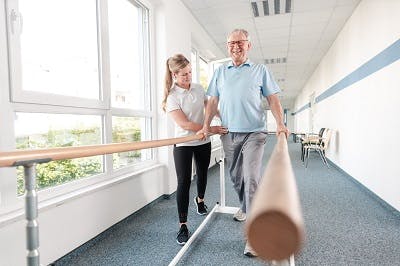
(239, 216)
(201, 208)
(183, 235)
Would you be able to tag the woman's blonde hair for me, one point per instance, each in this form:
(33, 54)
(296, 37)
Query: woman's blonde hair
(173, 65)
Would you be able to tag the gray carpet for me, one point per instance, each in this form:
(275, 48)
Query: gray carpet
(345, 225)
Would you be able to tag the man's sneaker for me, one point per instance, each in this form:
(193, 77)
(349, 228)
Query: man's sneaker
(239, 216)
(201, 208)
(249, 251)
(183, 235)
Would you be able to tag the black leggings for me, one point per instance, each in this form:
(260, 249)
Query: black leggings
(183, 165)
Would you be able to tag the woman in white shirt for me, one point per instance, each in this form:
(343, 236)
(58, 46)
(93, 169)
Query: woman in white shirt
(185, 101)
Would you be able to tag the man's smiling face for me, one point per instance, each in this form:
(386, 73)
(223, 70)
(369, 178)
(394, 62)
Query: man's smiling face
(238, 47)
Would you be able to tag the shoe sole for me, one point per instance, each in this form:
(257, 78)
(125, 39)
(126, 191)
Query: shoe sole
(197, 210)
(250, 255)
(180, 243)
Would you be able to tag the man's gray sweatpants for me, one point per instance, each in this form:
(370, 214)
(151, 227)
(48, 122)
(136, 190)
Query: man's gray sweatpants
(243, 154)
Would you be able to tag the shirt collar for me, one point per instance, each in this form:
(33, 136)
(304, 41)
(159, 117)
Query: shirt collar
(180, 89)
(246, 63)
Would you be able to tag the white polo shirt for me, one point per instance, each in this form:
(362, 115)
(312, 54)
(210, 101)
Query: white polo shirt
(191, 102)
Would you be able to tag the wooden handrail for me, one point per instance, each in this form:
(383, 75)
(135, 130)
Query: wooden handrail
(14, 158)
(275, 227)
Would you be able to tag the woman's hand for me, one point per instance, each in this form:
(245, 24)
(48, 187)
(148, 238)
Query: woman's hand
(205, 131)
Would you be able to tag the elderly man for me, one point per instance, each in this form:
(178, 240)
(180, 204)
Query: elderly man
(238, 87)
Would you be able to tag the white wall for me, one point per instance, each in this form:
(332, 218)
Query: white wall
(363, 115)
(72, 220)
(67, 224)
(178, 29)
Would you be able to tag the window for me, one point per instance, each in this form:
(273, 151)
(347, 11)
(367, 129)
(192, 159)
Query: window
(39, 130)
(193, 60)
(79, 81)
(128, 56)
(59, 54)
(199, 69)
(203, 65)
(271, 122)
(129, 129)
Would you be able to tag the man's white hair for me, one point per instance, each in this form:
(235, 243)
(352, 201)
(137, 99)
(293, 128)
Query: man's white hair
(243, 31)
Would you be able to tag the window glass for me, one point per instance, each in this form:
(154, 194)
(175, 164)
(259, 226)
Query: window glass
(97, 52)
(39, 130)
(203, 65)
(126, 46)
(193, 62)
(271, 123)
(59, 47)
(130, 129)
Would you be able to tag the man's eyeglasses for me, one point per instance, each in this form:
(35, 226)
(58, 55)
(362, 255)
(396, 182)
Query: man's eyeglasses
(239, 43)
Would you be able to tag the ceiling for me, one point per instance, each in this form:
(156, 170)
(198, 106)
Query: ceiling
(291, 43)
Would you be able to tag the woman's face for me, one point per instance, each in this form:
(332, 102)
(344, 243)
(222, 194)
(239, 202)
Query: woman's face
(184, 77)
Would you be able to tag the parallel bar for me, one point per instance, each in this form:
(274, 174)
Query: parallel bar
(29, 158)
(193, 237)
(222, 178)
(275, 227)
(31, 214)
(13, 158)
(227, 210)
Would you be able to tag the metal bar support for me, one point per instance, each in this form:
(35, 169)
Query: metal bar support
(31, 214)
(192, 238)
(222, 177)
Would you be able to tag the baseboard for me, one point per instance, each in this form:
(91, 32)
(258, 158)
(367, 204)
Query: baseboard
(374, 196)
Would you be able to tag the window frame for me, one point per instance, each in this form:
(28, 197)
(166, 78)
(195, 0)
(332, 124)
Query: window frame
(38, 102)
(18, 95)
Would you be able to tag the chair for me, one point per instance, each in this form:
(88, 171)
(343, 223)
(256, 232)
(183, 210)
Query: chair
(311, 139)
(320, 146)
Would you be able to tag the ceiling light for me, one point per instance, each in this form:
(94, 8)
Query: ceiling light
(255, 8)
(271, 7)
(288, 7)
(279, 60)
(266, 8)
(277, 6)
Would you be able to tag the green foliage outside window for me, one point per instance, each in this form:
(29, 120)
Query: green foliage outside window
(204, 82)
(126, 129)
(59, 172)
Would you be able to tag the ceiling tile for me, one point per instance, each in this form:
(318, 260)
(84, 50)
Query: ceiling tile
(271, 22)
(312, 17)
(303, 36)
(308, 5)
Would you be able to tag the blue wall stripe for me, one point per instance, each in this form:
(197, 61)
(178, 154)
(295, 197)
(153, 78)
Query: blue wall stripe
(308, 105)
(381, 60)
